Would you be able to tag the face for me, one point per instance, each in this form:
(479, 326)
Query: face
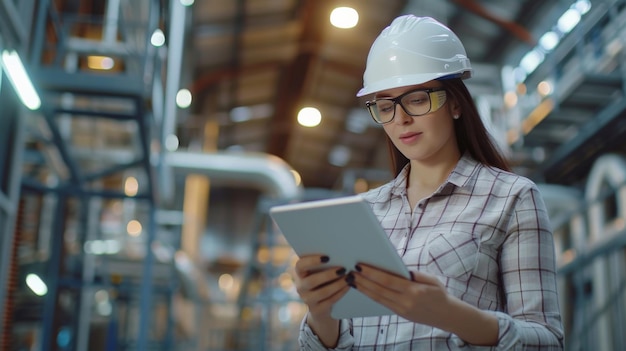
(427, 138)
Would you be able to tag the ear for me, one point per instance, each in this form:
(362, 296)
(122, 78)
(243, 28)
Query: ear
(455, 108)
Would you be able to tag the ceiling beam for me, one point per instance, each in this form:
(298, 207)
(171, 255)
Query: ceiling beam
(291, 85)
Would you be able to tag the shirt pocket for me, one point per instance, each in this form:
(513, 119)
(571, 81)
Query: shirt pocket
(452, 254)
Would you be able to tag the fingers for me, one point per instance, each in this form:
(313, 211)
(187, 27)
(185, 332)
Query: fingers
(319, 285)
(389, 298)
(326, 294)
(319, 297)
(380, 278)
(388, 289)
(424, 278)
(310, 264)
(319, 279)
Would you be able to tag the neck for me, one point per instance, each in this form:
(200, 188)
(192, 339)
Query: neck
(429, 174)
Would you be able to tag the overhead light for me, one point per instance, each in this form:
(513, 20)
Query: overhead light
(568, 20)
(100, 62)
(134, 228)
(544, 88)
(183, 98)
(531, 60)
(187, 2)
(18, 77)
(131, 186)
(158, 38)
(171, 142)
(34, 282)
(344, 17)
(309, 117)
(549, 40)
(583, 6)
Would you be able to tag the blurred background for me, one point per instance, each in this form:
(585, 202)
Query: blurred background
(142, 143)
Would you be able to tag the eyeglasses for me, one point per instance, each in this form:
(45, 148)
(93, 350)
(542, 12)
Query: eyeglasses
(415, 103)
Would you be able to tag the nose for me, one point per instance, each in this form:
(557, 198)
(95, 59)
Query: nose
(401, 117)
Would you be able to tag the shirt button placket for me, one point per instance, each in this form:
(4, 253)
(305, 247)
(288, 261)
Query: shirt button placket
(384, 320)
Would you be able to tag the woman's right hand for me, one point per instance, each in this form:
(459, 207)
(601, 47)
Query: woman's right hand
(319, 289)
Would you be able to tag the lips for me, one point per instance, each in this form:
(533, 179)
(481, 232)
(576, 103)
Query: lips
(409, 137)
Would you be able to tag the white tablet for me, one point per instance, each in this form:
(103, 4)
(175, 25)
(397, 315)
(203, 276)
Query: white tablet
(346, 230)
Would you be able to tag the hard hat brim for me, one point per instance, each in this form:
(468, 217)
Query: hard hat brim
(403, 81)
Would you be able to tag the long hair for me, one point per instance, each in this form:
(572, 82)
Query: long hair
(471, 133)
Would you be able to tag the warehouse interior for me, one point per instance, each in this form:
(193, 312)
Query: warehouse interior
(142, 143)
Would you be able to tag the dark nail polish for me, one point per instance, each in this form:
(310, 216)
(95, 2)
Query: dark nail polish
(341, 271)
(358, 268)
(349, 278)
(324, 259)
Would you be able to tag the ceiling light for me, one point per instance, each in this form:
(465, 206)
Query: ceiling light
(187, 2)
(583, 6)
(158, 38)
(183, 98)
(344, 17)
(309, 117)
(549, 40)
(131, 186)
(37, 285)
(171, 142)
(100, 62)
(568, 20)
(18, 77)
(133, 228)
(531, 60)
(544, 88)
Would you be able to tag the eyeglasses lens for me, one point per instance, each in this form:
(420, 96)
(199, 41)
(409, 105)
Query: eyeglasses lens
(415, 103)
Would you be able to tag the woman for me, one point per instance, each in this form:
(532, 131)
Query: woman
(475, 237)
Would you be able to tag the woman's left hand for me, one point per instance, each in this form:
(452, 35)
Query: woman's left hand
(421, 298)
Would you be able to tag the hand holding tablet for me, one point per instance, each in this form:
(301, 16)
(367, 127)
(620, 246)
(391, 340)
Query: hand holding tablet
(347, 231)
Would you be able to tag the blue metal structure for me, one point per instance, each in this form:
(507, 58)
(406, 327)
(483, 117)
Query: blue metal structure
(13, 35)
(130, 87)
(11, 136)
(69, 91)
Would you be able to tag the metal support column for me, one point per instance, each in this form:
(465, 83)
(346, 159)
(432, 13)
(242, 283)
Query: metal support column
(53, 272)
(145, 307)
(11, 133)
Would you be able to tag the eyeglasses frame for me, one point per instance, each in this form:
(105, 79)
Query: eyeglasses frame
(397, 101)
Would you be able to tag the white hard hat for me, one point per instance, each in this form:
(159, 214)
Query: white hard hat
(413, 50)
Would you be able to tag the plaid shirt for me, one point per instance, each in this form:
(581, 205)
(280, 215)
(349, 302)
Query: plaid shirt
(485, 234)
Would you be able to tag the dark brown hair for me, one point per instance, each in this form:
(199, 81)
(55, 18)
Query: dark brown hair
(471, 134)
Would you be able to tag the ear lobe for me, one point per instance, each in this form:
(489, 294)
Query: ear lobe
(455, 110)
(455, 107)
